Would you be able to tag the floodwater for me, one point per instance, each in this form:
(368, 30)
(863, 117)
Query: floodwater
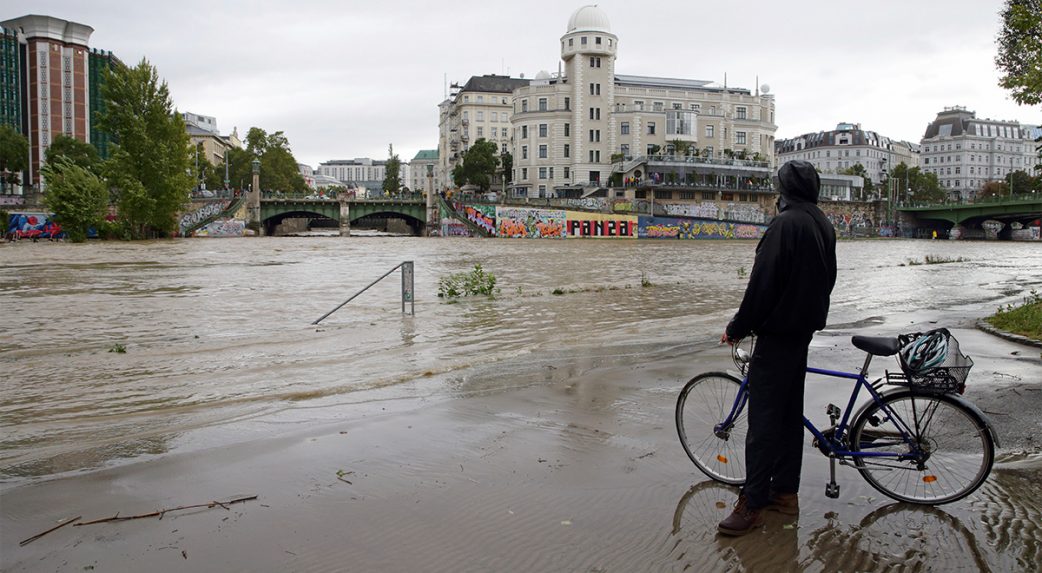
(119, 352)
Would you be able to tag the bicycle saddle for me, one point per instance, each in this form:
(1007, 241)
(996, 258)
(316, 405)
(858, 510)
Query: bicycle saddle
(877, 345)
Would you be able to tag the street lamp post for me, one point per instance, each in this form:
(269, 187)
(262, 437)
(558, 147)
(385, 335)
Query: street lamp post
(430, 198)
(253, 203)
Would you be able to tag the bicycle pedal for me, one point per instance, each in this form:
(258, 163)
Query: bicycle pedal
(832, 490)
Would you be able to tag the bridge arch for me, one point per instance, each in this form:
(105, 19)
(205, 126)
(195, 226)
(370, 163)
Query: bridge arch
(276, 210)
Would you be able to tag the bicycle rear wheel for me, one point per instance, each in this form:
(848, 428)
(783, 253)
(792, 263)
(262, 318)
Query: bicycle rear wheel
(949, 450)
(705, 401)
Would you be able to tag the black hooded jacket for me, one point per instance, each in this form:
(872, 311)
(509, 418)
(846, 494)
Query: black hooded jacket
(795, 267)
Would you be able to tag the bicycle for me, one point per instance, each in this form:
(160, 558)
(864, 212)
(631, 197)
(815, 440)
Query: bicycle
(920, 442)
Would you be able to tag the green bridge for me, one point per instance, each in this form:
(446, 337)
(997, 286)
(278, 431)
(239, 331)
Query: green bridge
(276, 208)
(1021, 209)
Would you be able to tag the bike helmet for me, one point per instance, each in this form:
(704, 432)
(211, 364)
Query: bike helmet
(927, 351)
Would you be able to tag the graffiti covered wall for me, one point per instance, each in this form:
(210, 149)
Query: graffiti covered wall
(222, 228)
(673, 228)
(527, 223)
(483, 216)
(189, 220)
(601, 225)
(32, 226)
(452, 227)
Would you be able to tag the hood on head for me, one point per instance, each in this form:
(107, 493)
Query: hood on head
(799, 180)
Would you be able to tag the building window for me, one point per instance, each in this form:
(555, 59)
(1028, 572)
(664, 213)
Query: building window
(542, 104)
(598, 40)
(687, 194)
(524, 105)
(583, 40)
(524, 152)
(739, 112)
(542, 152)
(595, 62)
(695, 107)
(651, 128)
(624, 128)
(481, 131)
(542, 130)
(571, 42)
(709, 130)
(551, 173)
(656, 106)
(595, 89)
(466, 116)
(481, 116)
(524, 173)
(638, 105)
(567, 129)
(567, 150)
(567, 103)
(624, 149)
(739, 137)
(567, 172)
(651, 148)
(595, 113)
(595, 156)
(542, 172)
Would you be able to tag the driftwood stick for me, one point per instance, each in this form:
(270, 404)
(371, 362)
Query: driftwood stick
(25, 542)
(160, 513)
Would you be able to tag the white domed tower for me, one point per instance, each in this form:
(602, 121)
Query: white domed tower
(588, 49)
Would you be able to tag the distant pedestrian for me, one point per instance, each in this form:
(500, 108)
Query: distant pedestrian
(785, 302)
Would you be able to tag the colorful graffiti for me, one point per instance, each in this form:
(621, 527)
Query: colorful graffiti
(189, 220)
(452, 227)
(582, 224)
(222, 228)
(522, 223)
(673, 228)
(32, 226)
(483, 216)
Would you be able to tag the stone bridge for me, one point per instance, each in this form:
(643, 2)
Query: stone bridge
(1022, 209)
(275, 208)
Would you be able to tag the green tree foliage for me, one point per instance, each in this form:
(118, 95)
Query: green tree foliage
(1019, 182)
(14, 155)
(478, 166)
(993, 189)
(859, 170)
(1020, 50)
(914, 185)
(80, 153)
(508, 167)
(240, 172)
(392, 173)
(278, 168)
(77, 197)
(150, 162)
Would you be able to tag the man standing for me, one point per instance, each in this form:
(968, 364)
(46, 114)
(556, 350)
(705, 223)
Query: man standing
(787, 299)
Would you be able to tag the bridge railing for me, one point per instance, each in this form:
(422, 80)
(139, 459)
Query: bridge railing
(408, 289)
(320, 196)
(985, 201)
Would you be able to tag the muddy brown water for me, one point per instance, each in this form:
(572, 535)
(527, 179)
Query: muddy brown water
(118, 353)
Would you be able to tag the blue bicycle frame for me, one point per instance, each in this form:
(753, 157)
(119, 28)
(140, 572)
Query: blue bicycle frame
(834, 444)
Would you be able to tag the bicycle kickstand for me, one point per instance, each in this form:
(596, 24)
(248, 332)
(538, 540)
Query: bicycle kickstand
(832, 488)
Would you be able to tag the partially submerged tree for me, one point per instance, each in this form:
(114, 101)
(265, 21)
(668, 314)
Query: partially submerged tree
(149, 168)
(77, 197)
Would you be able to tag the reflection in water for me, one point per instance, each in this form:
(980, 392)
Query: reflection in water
(999, 528)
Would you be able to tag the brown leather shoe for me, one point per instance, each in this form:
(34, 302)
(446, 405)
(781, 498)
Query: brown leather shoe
(742, 520)
(787, 503)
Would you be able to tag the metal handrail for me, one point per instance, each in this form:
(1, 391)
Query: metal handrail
(407, 289)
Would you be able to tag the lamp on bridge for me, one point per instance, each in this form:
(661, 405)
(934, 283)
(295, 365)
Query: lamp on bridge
(430, 198)
(253, 204)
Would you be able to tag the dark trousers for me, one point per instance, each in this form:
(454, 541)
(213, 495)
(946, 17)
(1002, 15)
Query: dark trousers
(774, 444)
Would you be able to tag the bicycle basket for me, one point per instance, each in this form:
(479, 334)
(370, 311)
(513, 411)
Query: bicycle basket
(931, 362)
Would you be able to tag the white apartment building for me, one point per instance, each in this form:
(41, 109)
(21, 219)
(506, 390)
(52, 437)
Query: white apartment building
(835, 151)
(966, 152)
(358, 172)
(480, 109)
(571, 127)
(417, 180)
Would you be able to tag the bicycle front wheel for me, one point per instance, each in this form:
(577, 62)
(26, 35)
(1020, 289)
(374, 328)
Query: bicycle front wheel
(704, 403)
(946, 450)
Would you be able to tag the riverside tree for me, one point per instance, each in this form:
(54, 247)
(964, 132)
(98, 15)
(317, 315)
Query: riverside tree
(392, 173)
(278, 168)
(149, 168)
(77, 197)
(1020, 50)
(14, 156)
(478, 166)
(80, 153)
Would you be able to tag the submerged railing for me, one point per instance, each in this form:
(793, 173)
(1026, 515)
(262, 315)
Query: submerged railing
(407, 289)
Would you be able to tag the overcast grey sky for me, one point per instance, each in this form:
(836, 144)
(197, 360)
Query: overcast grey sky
(343, 79)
